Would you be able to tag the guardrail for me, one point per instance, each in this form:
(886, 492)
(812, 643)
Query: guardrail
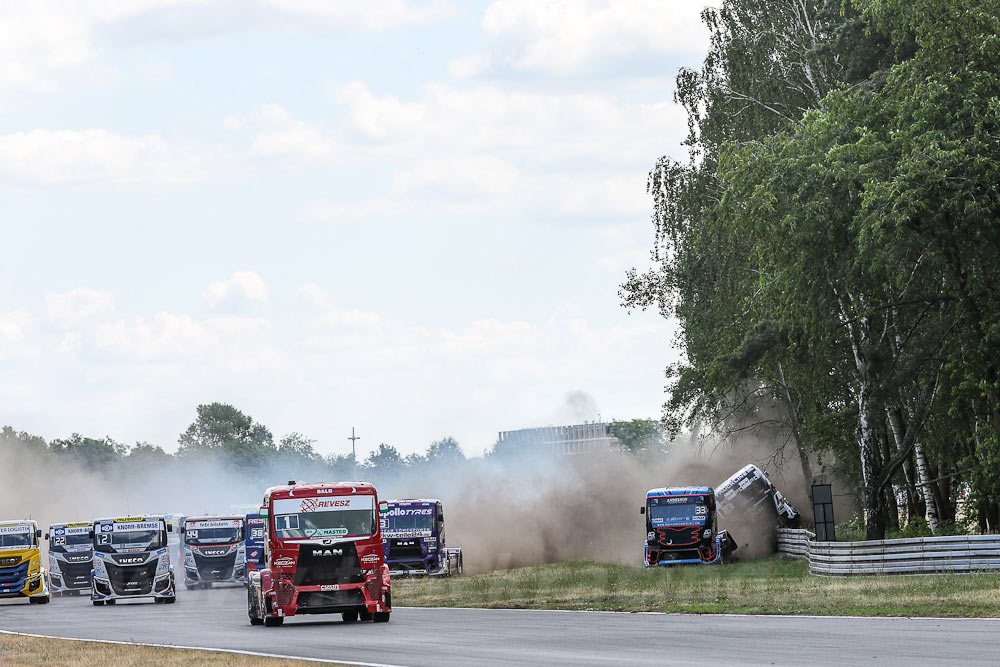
(921, 555)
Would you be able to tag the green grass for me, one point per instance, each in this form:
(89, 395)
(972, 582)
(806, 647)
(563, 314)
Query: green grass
(773, 585)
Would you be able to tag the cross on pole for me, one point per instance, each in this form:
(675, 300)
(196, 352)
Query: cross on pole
(353, 439)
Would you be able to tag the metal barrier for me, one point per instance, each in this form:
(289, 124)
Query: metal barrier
(921, 555)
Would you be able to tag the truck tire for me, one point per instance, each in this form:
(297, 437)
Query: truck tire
(40, 600)
(252, 609)
(460, 565)
(381, 617)
(98, 603)
(170, 600)
(349, 616)
(109, 602)
(158, 600)
(273, 621)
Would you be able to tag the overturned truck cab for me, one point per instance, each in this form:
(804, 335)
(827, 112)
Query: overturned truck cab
(682, 528)
(322, 555)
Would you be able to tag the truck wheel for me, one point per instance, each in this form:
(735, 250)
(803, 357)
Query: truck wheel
(364, 615)
(158, 600)
(40, 600)
(460, 564)
(190, 587)
(98, 603)
(349, 616)
(170, 600)
(381, 617)
(109, 602)
(273, 621)
(252, 608)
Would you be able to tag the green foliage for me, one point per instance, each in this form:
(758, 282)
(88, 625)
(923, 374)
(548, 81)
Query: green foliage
(645, 437)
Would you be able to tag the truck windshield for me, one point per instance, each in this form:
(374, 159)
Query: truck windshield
(119, 537)
(67, 539)
(406, 520)
(16, 537)
(676, 509)
(307, 518)
(213, 532)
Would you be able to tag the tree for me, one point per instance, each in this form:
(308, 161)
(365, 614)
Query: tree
(641, 436)
(93, 453)
(445, 450)
(385, 460)
(221, 430)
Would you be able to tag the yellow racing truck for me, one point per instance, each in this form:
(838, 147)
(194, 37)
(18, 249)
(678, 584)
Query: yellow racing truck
(21, 571)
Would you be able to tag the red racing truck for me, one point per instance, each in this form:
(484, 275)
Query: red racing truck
(323, 555)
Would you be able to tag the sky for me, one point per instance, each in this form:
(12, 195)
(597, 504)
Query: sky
(409, 218)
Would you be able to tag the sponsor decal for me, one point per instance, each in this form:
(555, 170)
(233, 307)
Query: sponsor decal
(256, 521)
(369, 559)
(325, 532)
(129, 519)
(212, 523)
(410, 511)
(284, 562)
(145, 525)
(396, 534)
(130, 560)
(330, 587)
(324, 491)
(107, 527)
(19, 529)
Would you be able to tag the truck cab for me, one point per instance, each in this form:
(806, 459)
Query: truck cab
(21, 571)
(323, 554)
(214, 550)
(413, 536)
(131, 560)
(681, 528)
(256, 527)
(750, 492)
(71, 554)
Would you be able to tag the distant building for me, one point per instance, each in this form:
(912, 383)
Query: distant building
(575, 439)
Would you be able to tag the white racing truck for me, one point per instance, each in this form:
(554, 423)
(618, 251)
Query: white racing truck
(131, 560)
(71, 552)
(749, 491)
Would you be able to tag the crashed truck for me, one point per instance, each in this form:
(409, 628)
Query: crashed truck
(413, 538)
(682, 522)
(323, 555)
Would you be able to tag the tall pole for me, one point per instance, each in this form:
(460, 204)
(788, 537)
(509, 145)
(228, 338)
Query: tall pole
(354, 454)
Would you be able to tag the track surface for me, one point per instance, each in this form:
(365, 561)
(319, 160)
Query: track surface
(443, 637)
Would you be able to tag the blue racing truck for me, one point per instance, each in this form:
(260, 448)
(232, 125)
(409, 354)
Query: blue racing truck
(256, 537)
(413, 539)
(71, 552)
(214, 551)
(682, 527)
(131, 560)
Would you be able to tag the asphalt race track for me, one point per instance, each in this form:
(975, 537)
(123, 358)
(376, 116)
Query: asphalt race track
(442, 637)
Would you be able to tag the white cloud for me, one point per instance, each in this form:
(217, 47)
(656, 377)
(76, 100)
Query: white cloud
(97, 156)
(577, 36)
(371, 14)
(78, 306)
(245, 284)
(281, 136)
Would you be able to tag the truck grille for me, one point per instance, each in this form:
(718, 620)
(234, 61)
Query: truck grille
(405, 550)
(679, 536)
(285, 594)
(133, 579)
(75, 575)
(218, 568)
(313, 599)
(319, 565)
(12, 578)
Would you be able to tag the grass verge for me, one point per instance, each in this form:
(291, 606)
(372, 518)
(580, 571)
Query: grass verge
(20, 651)
(773, 585)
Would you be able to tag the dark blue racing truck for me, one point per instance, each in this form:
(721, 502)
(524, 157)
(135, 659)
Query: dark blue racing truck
(414, 541)
(682, 528)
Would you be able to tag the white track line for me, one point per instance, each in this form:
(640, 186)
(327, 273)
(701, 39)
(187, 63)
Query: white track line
(202, 648)
(993, 619)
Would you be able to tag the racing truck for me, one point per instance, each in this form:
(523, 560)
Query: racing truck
(131, 560)
(255, 540)
(71, 552)
(21, 571)
(414, 540)
(214, 550)
(323, 553)
(749, 491)
(682, 528)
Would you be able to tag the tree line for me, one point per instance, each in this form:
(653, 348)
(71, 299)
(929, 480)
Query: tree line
(830, 243)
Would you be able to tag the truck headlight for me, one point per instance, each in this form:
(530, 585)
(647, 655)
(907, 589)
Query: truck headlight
(99, 570)
(163, 566)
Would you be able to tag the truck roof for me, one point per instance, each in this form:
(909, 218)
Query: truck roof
(680, 491)
(17, 522)
(70, 524)
(215, 517)
(400, 501)
(336, 489)
(136, 518)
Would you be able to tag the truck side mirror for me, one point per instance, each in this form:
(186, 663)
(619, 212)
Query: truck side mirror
(183, 530)
(642, 510)
(170, 528)
(90, 533)
(46, 537)
(38, 533)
